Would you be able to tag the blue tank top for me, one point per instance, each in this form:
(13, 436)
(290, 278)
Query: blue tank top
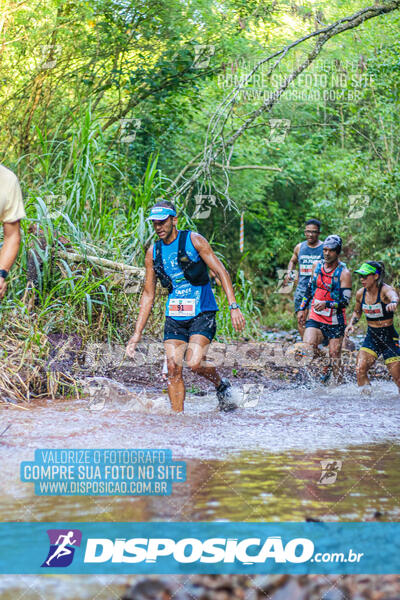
(307, 256)
(186, 300)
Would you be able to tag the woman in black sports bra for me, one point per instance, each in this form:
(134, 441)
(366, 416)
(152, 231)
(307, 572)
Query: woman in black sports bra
(378, 301)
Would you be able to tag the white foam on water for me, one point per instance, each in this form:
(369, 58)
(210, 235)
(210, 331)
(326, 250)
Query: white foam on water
(103, 393)
(294, 417)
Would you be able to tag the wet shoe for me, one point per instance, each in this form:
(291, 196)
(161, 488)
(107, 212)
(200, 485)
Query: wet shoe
(326, 374)
(224, 395)
(366, 390)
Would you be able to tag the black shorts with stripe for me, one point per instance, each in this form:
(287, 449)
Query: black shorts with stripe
(382, 340)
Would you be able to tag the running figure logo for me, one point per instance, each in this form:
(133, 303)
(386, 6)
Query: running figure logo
(62, 542)
(330, 470)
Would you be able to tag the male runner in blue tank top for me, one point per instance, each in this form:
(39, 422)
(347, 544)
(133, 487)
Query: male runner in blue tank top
(180, 260)
(305, 254)
(378, 301)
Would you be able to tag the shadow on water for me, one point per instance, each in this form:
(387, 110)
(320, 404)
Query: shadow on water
(248, 486)
(358, 482)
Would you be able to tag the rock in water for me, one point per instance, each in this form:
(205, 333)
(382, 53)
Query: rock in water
(155, 589)
(149, 589)
(268, 583)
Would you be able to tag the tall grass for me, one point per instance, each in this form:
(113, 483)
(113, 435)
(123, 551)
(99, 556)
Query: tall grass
(251, 313)
(80, 199)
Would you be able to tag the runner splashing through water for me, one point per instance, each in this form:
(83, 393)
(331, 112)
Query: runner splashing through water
(329, 291)
(179, 259)
(378, 301)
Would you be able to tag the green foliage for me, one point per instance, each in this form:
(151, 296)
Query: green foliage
(244, 297)
(78, 75)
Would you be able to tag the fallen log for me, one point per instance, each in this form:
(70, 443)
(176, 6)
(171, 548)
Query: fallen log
(101, 262)
(128, 277)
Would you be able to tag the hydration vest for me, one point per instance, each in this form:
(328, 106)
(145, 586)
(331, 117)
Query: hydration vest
(195, 272)
(335, 281)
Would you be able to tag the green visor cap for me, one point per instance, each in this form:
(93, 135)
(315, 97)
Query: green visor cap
(366, 269)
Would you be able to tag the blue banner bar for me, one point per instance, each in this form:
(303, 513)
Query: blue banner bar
(176, 548)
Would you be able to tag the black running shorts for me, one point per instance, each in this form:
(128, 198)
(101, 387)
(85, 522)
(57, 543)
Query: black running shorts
(203, 324)
(330, 332)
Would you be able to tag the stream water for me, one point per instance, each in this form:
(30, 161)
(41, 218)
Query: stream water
(260, 463)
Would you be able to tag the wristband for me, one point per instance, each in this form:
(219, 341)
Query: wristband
(3, 273)
(331, 304)
(304, 303)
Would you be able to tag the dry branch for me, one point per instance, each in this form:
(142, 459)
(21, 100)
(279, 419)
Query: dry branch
(243, 167)
(218, 143)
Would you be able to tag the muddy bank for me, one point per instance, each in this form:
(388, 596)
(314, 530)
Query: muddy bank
(279, 361)
(274, 364)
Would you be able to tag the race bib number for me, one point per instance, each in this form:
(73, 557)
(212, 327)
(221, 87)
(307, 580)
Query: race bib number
(373, 310)
(324, 312)
(305, 270)
(182, 307)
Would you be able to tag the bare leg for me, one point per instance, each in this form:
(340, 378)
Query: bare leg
(301, 328)
(195, 359)
(394, 370)
(335, 351)
(365, 360)
(175, 350)
(312, 337)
